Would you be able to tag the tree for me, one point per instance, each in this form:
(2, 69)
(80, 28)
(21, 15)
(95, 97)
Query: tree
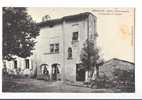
(19, 33)
(90, 57)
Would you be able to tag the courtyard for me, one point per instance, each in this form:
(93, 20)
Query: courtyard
(34, 85)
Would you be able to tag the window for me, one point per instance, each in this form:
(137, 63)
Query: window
(51, 48)
(54, 48)
(69, 53)
(27, 63)
(75, 36)
(57, 48)
(15, 64)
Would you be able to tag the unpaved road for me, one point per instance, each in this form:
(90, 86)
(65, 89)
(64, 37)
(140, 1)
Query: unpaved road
(33, 85)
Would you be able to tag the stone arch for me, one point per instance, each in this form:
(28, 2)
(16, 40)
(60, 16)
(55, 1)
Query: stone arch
(44, 69)
(55, 73)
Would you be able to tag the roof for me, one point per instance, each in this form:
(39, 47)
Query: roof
(116, 59)
(111, 65)
(69, 18)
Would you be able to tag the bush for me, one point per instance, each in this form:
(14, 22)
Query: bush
(124, 80)
(4, 71)
(102, 81)
(43, 77)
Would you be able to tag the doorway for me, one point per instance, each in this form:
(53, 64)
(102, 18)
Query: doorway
(80, 73)
(55, 72)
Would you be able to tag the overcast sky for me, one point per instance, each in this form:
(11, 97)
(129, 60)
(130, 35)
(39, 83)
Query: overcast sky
(115, 27)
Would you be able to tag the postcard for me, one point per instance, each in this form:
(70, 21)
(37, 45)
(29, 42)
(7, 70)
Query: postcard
(68, 50)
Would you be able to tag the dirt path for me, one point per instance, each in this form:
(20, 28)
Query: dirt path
(33, 85)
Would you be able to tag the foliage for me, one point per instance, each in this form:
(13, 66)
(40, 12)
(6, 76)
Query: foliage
(102, 81)
(43, 77)
(4, 71)
(90, 56)
(19, 32)
(124, 80)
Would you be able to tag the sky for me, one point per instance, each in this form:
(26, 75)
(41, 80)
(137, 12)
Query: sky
(115, 27)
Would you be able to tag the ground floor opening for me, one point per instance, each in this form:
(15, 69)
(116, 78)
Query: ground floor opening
(55, 73)
(80, 73)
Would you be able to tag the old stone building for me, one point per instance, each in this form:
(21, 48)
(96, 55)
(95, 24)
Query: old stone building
(60, 42)
(110, 66)
(59, 46)
(18, 66)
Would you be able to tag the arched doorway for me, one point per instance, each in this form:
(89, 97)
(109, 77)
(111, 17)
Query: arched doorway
(44, 72)
(43, 68)
(55, 73)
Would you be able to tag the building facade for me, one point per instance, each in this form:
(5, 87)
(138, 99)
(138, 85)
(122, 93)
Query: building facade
(59, 46)
(19, 66)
